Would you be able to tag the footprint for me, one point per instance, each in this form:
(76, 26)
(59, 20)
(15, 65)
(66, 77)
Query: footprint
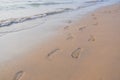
(18, 75)
(95, 24)
(66, 27)
(95, 18)
(69, 34)
(82, 28)
(92, 38)
(69, 37)
(52, 52)
(76, 53)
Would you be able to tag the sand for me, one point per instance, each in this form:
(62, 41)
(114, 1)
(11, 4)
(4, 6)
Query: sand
(88, 49)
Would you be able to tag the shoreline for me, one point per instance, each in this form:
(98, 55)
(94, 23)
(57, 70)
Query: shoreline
(85, 50)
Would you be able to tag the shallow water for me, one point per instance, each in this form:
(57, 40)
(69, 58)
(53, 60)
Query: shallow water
(18, 11)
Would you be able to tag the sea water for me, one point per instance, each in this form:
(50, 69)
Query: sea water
(18, 11)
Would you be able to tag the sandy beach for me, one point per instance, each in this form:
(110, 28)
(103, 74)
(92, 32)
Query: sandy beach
(85, 49)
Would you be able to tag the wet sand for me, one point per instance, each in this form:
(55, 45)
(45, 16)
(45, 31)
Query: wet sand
(88, 49)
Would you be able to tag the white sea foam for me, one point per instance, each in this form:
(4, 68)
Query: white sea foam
(18, 11)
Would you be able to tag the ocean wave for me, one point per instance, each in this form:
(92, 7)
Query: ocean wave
(48, 3)
(11, 21)
(25, 5)
(95, 1)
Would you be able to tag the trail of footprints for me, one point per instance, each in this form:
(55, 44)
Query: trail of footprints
(75, 54)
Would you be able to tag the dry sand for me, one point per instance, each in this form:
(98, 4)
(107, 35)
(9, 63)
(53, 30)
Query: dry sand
(88, 49)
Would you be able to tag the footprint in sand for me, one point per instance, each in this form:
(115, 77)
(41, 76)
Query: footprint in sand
(19, 75)
(82, 28)
(92, 38)
(76, 53)
(53, 52)
(66, 27)
(95, 18)
(95, 24)
(69, 37)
